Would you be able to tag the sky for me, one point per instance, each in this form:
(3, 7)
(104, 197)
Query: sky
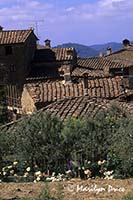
(79, 21)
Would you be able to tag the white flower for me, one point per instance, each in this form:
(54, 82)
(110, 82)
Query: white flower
(68, 172)
(38, 179)
(26, 174)
(108, 173)
(38, 173)
(35, 181)
(28, 169)
(50, 178)
(12, 171)
(15, 163)
(15, 175)
(111, 177)
(3, 169)
(87, 172)
(53, 174)
(101, 162)
(4, 173)
(10, 167)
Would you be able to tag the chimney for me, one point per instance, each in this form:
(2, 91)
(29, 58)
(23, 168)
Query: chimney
(70, 52)
(67, 68)
(47, 43)
(106, 71)
(126, 43)
(101, 55)
(109, 51)
(1, 28)
(31, 28)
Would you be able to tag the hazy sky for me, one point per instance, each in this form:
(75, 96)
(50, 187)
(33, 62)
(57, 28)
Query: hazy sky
(80, 21)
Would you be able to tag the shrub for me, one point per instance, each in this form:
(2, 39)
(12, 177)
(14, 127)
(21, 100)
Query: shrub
(46, 142)
(37, 140)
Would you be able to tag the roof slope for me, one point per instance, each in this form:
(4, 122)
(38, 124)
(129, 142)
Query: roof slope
(46, 54)
(100, 63)
(124, 56)
(49, 91)
(14, 36)
(81, 71)
(83, 107)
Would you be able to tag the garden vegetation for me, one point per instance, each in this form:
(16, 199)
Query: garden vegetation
(88, 147)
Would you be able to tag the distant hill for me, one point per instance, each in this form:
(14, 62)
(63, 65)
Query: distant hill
(82, 50)
(102, 47)
(93, 50)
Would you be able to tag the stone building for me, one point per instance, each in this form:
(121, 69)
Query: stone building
(40, 76)
(17, 48)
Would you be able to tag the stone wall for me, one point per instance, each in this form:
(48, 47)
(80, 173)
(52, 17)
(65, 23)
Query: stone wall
(27, 103)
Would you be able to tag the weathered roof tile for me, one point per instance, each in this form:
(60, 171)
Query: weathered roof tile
(14, 36)
(123, 56)
(98, 63)
(50, 91)
(83, 107)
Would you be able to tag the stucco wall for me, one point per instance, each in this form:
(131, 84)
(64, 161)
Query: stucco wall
(27, 103)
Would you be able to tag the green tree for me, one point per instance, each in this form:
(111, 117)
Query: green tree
(37, 140)
(73, 133)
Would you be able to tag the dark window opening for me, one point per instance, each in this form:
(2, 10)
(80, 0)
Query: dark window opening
(85, 80)
(8, 50)
(12, 68)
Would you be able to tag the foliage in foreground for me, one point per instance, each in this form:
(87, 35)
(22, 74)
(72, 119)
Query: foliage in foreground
(50, 145)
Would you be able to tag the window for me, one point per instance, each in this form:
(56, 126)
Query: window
(12, 68)
(8, 50)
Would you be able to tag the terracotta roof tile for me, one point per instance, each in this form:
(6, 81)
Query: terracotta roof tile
(80, 71)
(123, 56)
(62, 53)
(14, 36)
(99, 63)
(54, 54)
(50, 91)
(83, 107)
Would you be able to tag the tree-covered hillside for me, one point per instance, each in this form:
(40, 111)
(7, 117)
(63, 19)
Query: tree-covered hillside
(93, 50)
(82, 50)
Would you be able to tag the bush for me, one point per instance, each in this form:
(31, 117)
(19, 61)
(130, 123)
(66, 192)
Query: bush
(37, 140)
(49, 144)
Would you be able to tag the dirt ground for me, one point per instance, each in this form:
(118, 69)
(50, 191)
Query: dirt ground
(72, 190)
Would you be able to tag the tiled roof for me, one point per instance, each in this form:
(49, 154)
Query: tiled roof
(78, 107)
(54, 54)
(83, 107)
(80, 71)
(99, 63)
(14, 36)
(50, 91)
(41, 72)
(63, 53)
(124, 56)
